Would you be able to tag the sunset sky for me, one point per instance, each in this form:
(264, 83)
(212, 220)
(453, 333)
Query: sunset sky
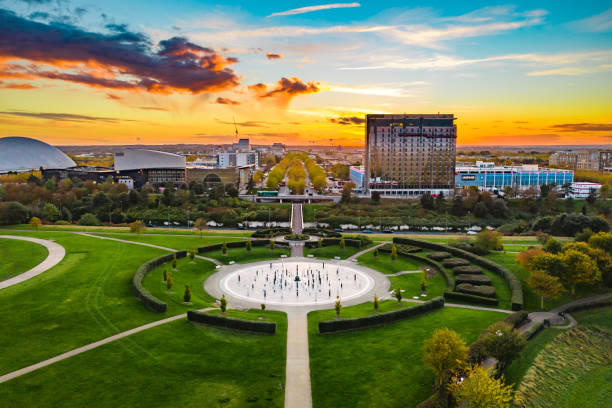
(149, 72)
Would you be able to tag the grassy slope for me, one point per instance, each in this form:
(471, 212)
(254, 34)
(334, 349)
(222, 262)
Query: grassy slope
(241, 255)
(19, 256)
(382, 366)
(126, 230)
(411, 284)
(178, 364)
(516, 370)
(329, 252)
(384, 264)
(83, 299)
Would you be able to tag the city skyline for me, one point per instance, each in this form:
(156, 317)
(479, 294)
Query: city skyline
(296, 73)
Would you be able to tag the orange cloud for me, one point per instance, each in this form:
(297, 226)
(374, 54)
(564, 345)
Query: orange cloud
(285, 89)
(273, 56)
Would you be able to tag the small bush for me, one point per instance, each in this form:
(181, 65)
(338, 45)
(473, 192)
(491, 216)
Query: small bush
(466, 297)
(452, 262)
(376, 303)
(89, 219)
(469, 270)
(223, 304)
(486, 291)
(438, 256)
(252, 326)
(473, 279)
(169, 282)
(187, 294)
(248, 246)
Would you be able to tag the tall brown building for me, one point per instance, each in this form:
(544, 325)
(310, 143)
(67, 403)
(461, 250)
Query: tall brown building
(409, 155)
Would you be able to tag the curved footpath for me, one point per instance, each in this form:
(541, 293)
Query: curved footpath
(56, 254)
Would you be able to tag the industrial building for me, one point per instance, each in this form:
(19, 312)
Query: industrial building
(150, 166)
(409, 155)
(598, 160)
(489, 177)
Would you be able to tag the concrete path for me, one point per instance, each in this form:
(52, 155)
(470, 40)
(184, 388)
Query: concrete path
(91, 346)
(148, 245)
(490, 309)
(358, 254)
(403, 273)
(56, 254)
(297, 378)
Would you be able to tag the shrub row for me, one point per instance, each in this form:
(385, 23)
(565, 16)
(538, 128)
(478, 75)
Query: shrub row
(470, 269)
(252, 326)
(517, 318)
(473, 279)
(452, 262)
(589, 305)
(471, 247)
(322, 232)
(267, 232)
(355, 243)
(331, 326)
(535, 329)
(401, 249)
(234, 244)
(478, 290)
(466, 297)
(438, 256)
(506, 274)
(150, 301)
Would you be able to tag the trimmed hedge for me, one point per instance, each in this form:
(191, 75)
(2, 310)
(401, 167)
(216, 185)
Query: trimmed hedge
(465, 297)
(355, 243)
(437, 256)
(234, 244)
(589, 305)
(516, 319)
(452, 262)
(473, 279)
(150, 301)
(321, 232)
(448, 278)
(535, 329)
(401, 249)
(486, 291)
(252, 326)
(513, 283)
(265, 233)
(332, 326)
(468, 270)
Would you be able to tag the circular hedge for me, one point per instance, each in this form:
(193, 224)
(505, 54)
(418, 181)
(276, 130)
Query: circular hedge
(468, 270)
(297, 237)
(452, 262)
(438, 256)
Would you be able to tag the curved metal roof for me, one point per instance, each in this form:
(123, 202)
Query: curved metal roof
(135, 159)
(24, 154)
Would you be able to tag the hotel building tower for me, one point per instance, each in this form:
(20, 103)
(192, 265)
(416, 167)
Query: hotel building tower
(409, 155)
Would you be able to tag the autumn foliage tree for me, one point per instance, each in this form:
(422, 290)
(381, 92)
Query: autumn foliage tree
(476, 388)
(545, 285)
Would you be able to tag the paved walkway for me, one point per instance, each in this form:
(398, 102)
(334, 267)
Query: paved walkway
(297, 377)
(91, 346)
(403, 273)
(490, 309)
(148, 245)
(56, 254)
(358, 254)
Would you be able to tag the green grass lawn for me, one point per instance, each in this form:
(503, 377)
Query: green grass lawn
(411, 284)
(19, 256)
(382, 366)
(384, 264)
(187, 273)
(241, 255)
(178, 364)
(126, 230)
(174, 242)
(329, 252)
(361, 310)
(516, 370)
(532, 301)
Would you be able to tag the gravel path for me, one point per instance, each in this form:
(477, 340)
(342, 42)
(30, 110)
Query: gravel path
(56, 254)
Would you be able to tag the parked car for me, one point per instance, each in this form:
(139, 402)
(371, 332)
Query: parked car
(338, 229)
(366, 231)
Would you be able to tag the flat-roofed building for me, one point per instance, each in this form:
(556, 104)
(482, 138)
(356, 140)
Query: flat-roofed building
(599, 160)
(409, 155)
(150, 166)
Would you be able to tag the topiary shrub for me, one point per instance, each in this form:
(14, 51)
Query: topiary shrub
(486, 291)
(517, 318)
(473, 279)
(466, 297)
(252, 326)
(468, 270)
(452, 262)
(438, 256)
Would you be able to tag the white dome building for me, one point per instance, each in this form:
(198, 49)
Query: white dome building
(25, 154)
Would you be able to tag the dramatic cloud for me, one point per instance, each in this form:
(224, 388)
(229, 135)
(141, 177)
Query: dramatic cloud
(273, 56)
(153, 108)
(250, 123)
(310, 9)
(119, 60)
(226, 101)
(348, 120)
(285, 89)
(64, 117)
(12, 85)
(583, 127)
(113, 96)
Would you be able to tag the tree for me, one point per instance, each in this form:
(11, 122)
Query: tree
(337, 306)
(340, 171)
(490, 240)
(342, 243)
(502, 341)
(200, 225)
(248, 245)
(271, 244)
(223, 304)
(192, 252)
(602, 240)
(376, 303)
(169, 282)
(545, 285)
(440, 202)
(89, 219)
(424, 281)
(578, 268)
(224, 249)
(443, 353)
(347, 191)
(136, 226)
(553, 246)
(427, 201)
(165, 273)
(376, 197)
(319, 243)
(174, 261)
(187, 294)
(476, 388)
(480, 210)
(50, 212)
(592, 198)
(397, 293)
(393, 252)
(457, 207)
(35, 223)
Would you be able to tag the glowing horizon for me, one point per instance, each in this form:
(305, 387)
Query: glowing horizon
(295, 73)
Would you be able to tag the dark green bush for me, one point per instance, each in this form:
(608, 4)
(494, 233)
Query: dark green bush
(517, 318)
(252, 326)
(478, 290)
(276, 231)
(469, 270)
(589, 305)
(473, 279)
(466, 297)
(331, 326)
(437, 256)
(452, 262)
(322, 232)
(150, 301)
